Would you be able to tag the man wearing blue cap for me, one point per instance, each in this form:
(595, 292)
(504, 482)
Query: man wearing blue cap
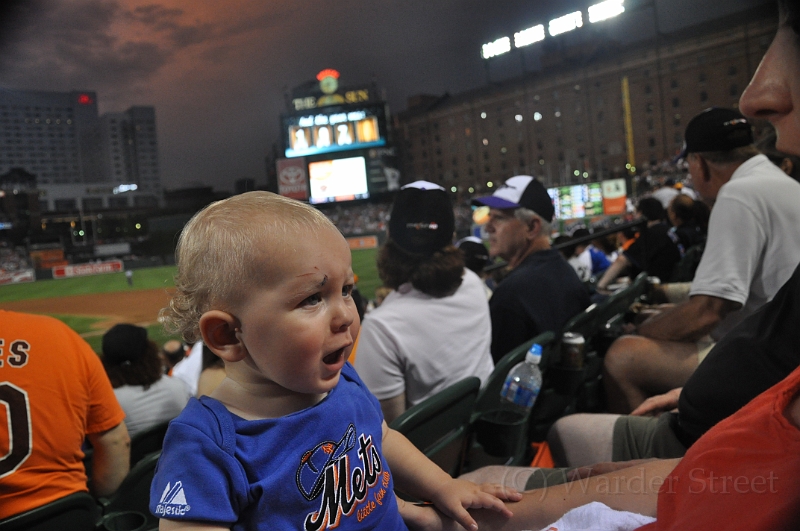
(542, 291)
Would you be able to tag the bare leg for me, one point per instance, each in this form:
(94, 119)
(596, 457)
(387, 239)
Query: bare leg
(637, 367)
(583, 439)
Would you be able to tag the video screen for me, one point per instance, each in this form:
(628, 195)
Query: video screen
(577, 201)
(338, 180)
(332, 129)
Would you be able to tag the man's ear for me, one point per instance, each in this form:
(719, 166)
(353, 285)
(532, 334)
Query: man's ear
(220, 332)
(534, 227)
(705, 170)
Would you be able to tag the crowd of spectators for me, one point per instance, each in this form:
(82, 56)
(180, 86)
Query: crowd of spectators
(12, 259)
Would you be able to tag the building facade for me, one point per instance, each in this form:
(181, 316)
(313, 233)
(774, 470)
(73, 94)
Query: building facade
(59, 138)
(566, 122)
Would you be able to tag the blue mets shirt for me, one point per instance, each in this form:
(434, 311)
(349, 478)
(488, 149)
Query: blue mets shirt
(319, 468)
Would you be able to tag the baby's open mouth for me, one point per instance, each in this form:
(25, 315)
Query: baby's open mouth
(333, 357)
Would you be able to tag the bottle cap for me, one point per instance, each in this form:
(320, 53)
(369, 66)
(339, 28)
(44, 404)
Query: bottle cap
(534, 354)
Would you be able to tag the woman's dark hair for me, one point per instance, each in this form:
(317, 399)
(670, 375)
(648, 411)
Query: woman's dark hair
(146, 371)
(437, 275)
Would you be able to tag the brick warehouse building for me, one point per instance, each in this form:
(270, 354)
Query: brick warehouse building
(566, 122)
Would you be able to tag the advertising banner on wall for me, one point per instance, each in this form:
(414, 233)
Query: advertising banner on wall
(81, 270)
(614, 197)
(292, 178)
(16, 277)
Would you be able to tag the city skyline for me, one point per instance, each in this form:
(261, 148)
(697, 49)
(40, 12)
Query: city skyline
(217, 75)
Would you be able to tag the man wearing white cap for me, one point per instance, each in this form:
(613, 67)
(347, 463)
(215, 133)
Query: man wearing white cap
(542, 291)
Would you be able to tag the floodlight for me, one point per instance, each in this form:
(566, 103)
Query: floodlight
(498, 47)
(605, 10)
(566, 23)
(529, 36)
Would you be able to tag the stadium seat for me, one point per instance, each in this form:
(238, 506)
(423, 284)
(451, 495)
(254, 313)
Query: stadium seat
(76, 512)
(685, 269)
(438, 425)
(147, 441)
(496, 430)
(134, 492)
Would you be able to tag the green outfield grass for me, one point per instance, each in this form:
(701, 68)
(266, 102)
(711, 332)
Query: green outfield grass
(85, 326)
(154, 277)
(364, 267)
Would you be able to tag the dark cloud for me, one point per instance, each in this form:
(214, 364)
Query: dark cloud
(217, 72)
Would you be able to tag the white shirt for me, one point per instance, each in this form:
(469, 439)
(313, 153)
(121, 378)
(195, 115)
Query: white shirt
(144, 409)
(189, 368)
(753, 244)
(582, 264)
(417, 344)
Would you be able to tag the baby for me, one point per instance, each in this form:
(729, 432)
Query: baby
(291, 438)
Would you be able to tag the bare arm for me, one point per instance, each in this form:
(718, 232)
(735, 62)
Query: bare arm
(633, 489)
(393, 407)
(688, 321)
(111, 459)
(420, 477)
(613, 271)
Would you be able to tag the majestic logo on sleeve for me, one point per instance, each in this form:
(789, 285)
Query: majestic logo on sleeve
(173, 501)
(326, 473)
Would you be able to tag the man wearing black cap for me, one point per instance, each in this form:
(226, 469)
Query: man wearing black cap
(542, 291)
(753, 247)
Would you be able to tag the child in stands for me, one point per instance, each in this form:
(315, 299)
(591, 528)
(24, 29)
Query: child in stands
(291, 438)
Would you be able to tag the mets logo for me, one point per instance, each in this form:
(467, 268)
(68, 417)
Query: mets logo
(326, 472)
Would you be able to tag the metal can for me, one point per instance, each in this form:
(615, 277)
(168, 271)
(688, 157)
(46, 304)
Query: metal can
(572, 346)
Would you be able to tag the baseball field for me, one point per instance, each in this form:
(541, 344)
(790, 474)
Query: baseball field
(92, 305)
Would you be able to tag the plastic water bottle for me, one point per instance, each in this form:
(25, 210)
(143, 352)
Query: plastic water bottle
(524, 381)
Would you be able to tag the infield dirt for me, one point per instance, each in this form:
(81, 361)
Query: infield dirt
(140, 307)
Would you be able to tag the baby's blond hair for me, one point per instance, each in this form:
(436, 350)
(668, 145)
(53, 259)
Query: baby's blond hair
(218, 249)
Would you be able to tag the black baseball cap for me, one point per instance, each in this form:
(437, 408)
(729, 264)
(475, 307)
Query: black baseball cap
(716, 129)
(522, 191)
(124, 342)
(422, 219)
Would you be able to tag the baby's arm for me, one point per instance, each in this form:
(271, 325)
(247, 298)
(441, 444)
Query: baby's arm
(175, 525)
(418, 476)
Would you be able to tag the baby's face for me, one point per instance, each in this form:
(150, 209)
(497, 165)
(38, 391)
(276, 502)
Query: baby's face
(297, 328)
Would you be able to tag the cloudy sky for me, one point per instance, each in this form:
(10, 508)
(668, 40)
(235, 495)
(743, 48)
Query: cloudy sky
(216, 70)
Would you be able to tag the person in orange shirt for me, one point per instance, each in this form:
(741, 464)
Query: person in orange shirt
(55, 393)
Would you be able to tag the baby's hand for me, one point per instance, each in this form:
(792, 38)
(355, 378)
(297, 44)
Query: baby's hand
(454, 497)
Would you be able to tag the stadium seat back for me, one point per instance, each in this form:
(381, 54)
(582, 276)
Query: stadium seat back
(76, 512)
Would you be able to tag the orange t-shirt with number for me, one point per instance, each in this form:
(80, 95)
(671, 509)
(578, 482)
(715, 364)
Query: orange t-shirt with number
(53, 392)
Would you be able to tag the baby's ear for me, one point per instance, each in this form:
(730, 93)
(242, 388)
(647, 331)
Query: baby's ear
(219, 330)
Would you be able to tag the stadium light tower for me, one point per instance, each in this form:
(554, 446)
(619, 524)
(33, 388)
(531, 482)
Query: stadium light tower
(569, 22)
(605, 10)
(498, 47)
